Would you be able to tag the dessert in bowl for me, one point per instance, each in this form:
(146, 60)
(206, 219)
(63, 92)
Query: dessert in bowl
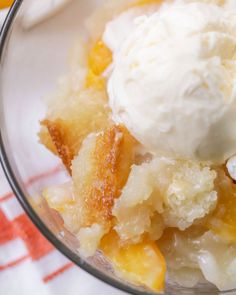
(144, 126)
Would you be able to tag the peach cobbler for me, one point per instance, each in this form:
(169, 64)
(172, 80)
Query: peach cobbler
(145, 126)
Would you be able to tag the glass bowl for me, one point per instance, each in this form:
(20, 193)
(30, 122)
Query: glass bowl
(30, 63)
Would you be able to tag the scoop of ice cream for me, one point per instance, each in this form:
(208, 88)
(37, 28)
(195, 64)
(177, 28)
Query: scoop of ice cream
(173, 83)
(123, 25)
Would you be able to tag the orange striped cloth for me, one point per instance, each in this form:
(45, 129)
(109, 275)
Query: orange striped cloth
(29, 264)
(22, 247)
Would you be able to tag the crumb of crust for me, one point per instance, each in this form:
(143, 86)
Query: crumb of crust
(70, 119)
(46, 139)
(100, 171)
(57, 132)
(178, 192)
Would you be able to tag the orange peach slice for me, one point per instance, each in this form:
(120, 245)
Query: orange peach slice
(141, 264)
(99, 58)
(6, 3)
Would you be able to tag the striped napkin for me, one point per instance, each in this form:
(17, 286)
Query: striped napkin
(28, 263)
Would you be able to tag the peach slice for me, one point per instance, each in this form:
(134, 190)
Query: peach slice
(6, 3)
(99, 58)
(146, 2)
(141, 264)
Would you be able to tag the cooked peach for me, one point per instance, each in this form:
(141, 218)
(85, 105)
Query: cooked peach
(6, 3)
(100, 57)
(146, 2)
(141, 264)
(95, 81)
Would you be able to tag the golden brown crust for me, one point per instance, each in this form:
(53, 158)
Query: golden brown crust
(107, 157)
(73, 118)
(46, 139)
(110, 159)
(57, 131)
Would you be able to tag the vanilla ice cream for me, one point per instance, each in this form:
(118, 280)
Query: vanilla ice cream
(173, 81)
